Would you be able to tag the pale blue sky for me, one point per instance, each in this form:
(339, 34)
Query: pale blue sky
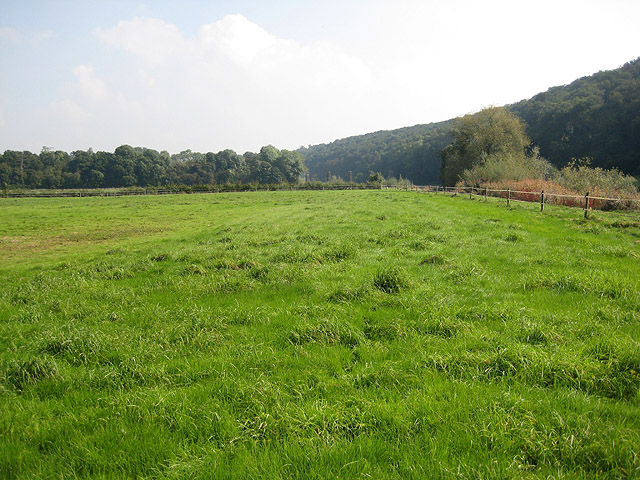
(210, 75)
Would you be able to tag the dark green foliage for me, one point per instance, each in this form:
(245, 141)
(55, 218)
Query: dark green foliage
(375, 178)
(412, 152)
(143, 167)
(493, 133)
(596, 117)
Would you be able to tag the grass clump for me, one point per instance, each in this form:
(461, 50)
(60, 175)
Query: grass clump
(194, 269)
(390, 279)
(534, 335)
(76, 347)
(20, 374)
(433, 260)
(440, 328)
(349, 294)
(384, 330)
(326, 331)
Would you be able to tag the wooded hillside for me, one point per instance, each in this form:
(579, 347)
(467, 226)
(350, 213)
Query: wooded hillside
(411, 152)
(596, 116)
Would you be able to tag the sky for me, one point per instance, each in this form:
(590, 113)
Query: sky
(211, 75)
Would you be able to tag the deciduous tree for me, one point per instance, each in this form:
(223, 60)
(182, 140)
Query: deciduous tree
(491, 133)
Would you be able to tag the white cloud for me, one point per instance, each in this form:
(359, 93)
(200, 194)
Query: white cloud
(149, 38)
(461, 55)
(69, 111)
(9, 34)
(89, 86)
(241, 40)
(43, 36)
(233, 85)
(18, 36)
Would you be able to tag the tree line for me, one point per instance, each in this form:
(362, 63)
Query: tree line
(595, 117)
(143, 167)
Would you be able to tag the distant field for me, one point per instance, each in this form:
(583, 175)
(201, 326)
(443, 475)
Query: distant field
(365, 334)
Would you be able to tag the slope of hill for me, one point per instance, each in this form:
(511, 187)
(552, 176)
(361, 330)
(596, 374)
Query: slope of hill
(596, 116)
(410, 152)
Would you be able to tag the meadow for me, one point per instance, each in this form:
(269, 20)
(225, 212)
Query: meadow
(327, 334)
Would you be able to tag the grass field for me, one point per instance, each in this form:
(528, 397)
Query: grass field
(365, 334)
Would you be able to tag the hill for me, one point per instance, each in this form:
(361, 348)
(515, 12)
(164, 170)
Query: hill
(596, 116)
(412, 152)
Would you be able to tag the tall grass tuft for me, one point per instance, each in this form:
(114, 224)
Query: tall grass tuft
(390, 279)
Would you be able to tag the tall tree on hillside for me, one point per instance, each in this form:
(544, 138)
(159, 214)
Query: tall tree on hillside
(491, 133)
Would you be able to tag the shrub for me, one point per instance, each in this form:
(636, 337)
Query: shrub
(375, 178)
(503, 167)
(580, 177)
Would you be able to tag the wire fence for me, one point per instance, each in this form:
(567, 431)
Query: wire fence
(586, 202)
(120, 192)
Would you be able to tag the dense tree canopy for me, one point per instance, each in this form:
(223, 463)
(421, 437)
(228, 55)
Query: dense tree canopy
(128, 166)
(596, 117)
(411, 152)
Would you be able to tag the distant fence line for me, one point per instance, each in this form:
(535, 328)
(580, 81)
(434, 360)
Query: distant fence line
(121, 192)
(587, 202)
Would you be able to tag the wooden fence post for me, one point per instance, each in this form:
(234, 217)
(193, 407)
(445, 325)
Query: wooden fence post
(542, 200)
(508, 196)
(485, 194)
(586, 205)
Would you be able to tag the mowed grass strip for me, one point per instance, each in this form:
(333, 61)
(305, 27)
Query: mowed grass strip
(317, 334)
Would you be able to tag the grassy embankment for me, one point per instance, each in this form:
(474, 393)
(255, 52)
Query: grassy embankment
(320, 334)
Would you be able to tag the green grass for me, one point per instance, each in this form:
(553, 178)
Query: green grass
(355, 334)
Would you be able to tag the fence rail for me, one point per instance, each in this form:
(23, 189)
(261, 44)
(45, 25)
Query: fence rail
(179, 191)
(586, 202)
